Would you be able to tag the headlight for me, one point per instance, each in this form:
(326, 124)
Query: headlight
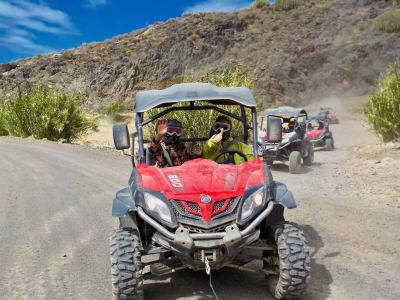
(158, 207)
(285, 140)
(252, 204)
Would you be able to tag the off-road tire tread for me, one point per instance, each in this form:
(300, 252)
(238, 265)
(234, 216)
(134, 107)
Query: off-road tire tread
(308, 161)
(294, 261)
(294, 162)
(126, 265)
(329, 145)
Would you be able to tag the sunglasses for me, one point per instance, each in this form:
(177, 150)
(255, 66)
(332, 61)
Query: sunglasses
(174, 130)
(221, 125)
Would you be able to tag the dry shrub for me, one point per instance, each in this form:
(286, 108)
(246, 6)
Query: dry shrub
(389, 21)
(383, 110)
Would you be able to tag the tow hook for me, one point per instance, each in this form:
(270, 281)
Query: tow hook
(208, 272)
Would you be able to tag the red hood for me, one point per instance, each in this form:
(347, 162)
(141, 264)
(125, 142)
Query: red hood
(332, 116)
(314, 134)
(202, 177)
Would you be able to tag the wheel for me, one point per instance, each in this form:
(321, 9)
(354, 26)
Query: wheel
(329, 144)
(308, 161)
(126, 265)
(293, 262)
(294, 162)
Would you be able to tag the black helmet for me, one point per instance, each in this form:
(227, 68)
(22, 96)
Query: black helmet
(174, 123)
(174, 131)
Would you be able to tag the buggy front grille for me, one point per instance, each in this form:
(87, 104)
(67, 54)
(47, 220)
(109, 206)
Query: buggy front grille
(189, 213)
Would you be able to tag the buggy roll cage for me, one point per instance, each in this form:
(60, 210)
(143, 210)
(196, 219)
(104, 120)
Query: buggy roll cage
(193, 93)
(285, 113)
(139, 123)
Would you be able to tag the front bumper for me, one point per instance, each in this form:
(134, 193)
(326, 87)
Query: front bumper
(185, 243)
(318, 142)
(271, 151)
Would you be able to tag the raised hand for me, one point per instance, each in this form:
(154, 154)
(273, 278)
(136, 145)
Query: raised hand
(218, 137)
(161, 129)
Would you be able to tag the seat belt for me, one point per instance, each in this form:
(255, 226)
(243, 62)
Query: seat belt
(166, 155)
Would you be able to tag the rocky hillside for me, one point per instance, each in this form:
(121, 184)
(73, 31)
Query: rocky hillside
(319, 48)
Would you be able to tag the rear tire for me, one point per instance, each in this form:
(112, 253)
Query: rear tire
(329, 144)
(294, 262)
(126, 265)
(294, 162)
(308, 161)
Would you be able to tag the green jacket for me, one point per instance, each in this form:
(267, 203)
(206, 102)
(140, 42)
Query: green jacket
(211, 149)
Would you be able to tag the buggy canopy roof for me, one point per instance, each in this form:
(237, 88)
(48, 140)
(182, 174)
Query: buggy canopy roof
(321, 117)
(184, 92)
(285, 111)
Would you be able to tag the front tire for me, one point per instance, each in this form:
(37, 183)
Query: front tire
(308, 161)
(126, 265)
(294, 262)
(329, 145)
(294, 162)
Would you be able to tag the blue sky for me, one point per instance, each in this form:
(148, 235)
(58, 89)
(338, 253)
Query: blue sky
(36, 26)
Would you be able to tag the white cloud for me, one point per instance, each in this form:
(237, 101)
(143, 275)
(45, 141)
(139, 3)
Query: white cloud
(94, 3)
(218, 5)
(21, 44)
(20, 20)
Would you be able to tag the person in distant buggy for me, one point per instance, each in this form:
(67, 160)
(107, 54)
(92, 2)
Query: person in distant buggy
(222, 140)
(166, 147)
(290, 126)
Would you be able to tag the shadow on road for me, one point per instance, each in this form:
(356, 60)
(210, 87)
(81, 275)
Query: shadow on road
(321, 278)
(281, 167)
(228, 284)
(234, 284)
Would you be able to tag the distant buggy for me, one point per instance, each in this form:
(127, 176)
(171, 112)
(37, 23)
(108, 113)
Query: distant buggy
(283, 142)
(319, 133)
(330, 114)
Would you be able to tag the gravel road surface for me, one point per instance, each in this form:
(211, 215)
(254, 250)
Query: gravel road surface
(55, 221)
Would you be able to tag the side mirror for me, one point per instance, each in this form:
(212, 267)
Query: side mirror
(274, 130)
(121, 137)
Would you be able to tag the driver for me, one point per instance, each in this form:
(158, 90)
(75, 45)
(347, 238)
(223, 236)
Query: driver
(291, 125)
(166, 146)
(222, 130)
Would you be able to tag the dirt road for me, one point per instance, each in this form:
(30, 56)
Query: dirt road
(55, 220)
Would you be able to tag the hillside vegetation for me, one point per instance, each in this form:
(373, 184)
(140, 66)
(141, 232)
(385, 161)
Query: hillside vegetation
(383, 108)
(293, 55)
(43, 113)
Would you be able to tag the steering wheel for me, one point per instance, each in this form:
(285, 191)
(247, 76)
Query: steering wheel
(231, 154)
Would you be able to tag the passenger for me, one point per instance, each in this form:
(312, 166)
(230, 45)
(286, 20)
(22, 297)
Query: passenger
(166, 147)
(222, 129)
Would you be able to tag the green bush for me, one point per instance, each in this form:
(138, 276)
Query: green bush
(113, 108)
(42, 113)
(389, 21)
(259, 4)
(287, 4)
(3, 130)
(198, 123)
(383, 110)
